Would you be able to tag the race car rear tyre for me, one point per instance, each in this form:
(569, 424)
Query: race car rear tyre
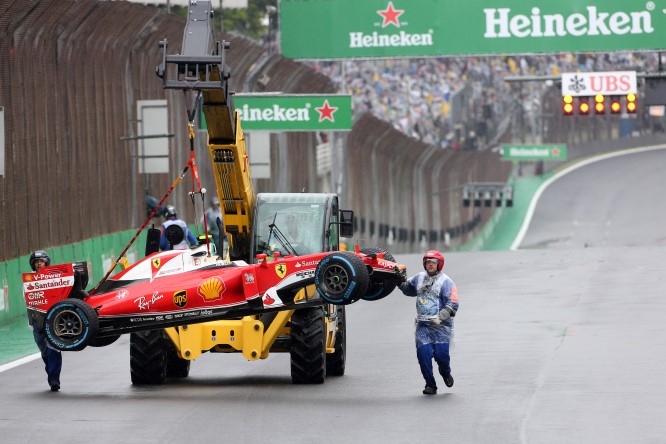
(308, 346)
(377, 291)
(335, 362)
(341, 278)
(103, 342)
(70, 325)
(147, 357)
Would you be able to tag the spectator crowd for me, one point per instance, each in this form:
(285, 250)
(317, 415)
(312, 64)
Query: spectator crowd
(445, 101)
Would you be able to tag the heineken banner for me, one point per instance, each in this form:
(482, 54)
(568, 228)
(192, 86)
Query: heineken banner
(277, 112)
(534, 152)
(330, 29)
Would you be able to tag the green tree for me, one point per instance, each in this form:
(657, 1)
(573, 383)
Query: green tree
(244, 21)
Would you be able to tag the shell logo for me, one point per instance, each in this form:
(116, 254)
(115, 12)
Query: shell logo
(211, 289)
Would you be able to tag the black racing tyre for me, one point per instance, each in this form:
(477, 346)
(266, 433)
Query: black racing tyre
(70, 325)
(377, 291)
(341, 278)
(147, 357)
(335, 362)
(308, 346)
(176, 367)
(104, 341)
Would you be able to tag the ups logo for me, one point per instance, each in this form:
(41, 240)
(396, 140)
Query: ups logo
(180, 298)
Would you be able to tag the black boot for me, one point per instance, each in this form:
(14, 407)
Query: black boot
(430, 390)
(448, 380)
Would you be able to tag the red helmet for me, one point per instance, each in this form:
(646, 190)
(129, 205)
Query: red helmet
(434, 254)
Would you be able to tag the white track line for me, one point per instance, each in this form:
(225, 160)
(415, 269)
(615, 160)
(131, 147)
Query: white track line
(535, 199)
(18, 362)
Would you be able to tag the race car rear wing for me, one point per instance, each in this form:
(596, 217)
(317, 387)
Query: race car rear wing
(54, 283)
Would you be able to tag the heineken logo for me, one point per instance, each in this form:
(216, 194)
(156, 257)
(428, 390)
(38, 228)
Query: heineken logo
(534, 152)
(390, 17)
(275, 113)
(278, 113)
(295, 112)
(425, 28)
(503, 23)
(326, 112)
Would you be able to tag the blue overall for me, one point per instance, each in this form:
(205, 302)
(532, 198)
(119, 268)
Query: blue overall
(433, 294)
(52, 358)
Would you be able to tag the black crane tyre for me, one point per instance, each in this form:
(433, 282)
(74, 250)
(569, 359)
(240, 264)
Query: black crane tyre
(341, 278)
(308, 346)
(103, 341)
(147, 357)
(176, 367)
(335, 362)
(377, 291)
(70, 324)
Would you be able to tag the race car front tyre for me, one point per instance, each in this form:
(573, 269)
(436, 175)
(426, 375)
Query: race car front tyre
(103, 341)
(70, 325)
(147, 357)
(308, 346)
(341, 278)
(378, 290)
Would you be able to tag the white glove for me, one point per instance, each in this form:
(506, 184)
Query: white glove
(435, 320)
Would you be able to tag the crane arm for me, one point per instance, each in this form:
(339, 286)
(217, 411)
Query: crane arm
(201, 73)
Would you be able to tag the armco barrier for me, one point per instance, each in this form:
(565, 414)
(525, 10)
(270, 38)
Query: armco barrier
(407, 195)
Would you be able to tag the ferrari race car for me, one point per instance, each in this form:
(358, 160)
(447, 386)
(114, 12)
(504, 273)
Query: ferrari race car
(180, 287)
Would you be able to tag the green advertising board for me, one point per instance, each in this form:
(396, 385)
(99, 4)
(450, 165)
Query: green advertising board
(330, 29)
(306, 112)
(534, 152)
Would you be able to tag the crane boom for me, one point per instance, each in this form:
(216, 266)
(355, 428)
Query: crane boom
(201, 73)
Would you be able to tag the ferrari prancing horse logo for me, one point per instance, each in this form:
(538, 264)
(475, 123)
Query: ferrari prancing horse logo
(281, 270)
(156, 263)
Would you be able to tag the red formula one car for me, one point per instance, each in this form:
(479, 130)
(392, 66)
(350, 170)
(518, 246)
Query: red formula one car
(181, 287)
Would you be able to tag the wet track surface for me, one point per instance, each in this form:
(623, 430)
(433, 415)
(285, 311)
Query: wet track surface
(553, 345)
(613, 202)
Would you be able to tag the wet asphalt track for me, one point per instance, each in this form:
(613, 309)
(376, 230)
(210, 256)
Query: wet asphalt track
(556, 343)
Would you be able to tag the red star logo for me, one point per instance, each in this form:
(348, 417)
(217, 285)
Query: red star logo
(555, 152)
(326, 112)
(390, 15)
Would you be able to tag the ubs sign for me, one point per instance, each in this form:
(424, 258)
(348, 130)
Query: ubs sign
(592, 83)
